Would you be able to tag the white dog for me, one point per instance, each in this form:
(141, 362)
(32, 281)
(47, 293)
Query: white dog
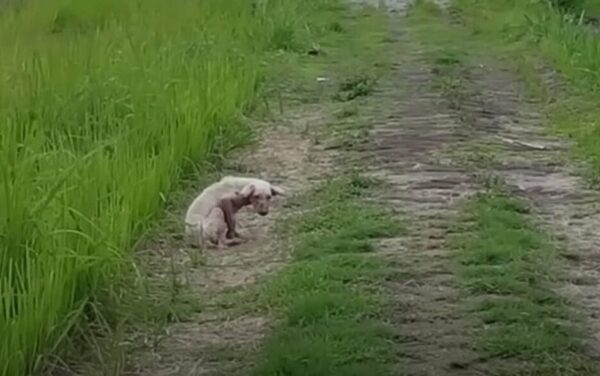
(210, 219)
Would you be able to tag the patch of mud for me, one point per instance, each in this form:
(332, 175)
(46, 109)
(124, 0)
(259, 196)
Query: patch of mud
(216, 340)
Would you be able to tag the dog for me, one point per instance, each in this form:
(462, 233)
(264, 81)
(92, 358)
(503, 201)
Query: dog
(210, 219)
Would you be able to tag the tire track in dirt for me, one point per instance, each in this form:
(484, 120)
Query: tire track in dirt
(412, 123)
(535, 166)
(434, 330)
(217, 340)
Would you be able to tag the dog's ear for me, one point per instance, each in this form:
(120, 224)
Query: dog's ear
(248, 190)
(277, 191)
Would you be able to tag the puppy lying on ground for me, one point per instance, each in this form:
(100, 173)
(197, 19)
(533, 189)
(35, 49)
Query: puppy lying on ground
(210, 219)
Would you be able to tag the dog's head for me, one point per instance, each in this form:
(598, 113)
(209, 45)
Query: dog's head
(259, 195)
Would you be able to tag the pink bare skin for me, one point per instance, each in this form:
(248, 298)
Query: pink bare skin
(231, 204)
(221, 222)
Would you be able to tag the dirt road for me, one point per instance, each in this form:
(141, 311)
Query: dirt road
(442, 129)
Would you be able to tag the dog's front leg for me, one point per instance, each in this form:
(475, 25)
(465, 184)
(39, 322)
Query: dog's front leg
(232, 236)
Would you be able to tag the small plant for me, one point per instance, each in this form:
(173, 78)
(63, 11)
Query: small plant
(354, 87)
(336, 27)
(284, 38)
(346, 112)
(568, 5)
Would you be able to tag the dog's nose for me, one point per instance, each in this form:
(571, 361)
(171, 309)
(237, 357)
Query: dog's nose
(263, 213)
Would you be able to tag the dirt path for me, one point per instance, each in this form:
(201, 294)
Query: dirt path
(217, 340)
(412, 124)
(537, 168)
(417, 144)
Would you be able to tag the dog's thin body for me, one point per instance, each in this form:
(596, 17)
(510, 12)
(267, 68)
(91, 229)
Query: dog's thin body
(215, 208)
(220, 225)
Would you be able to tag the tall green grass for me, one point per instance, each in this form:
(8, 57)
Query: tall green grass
(103, 105)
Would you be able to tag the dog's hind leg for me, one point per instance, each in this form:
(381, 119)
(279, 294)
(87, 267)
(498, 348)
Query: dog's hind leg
(193, 235)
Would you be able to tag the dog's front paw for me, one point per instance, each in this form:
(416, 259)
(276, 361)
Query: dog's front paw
(233, 242)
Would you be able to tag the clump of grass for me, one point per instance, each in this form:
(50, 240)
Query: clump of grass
(448, 69)
(336, 27)
(425, 7)
(356, 86)
(508, 263)
(475, 154)
(568, 5)
(105, 104)
(327, 296)
(346, 112)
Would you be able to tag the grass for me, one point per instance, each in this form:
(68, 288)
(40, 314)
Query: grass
(327, 296)
(359, 85)
(507, 263)
(340, 70)
(105, 105)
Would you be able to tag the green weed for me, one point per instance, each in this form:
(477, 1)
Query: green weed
(357, 86)
(327, 296)
(503, 259)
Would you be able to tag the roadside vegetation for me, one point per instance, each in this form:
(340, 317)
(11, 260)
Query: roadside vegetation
(105, 105)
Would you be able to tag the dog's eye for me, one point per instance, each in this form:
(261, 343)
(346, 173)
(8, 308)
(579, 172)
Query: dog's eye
(268, 197)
